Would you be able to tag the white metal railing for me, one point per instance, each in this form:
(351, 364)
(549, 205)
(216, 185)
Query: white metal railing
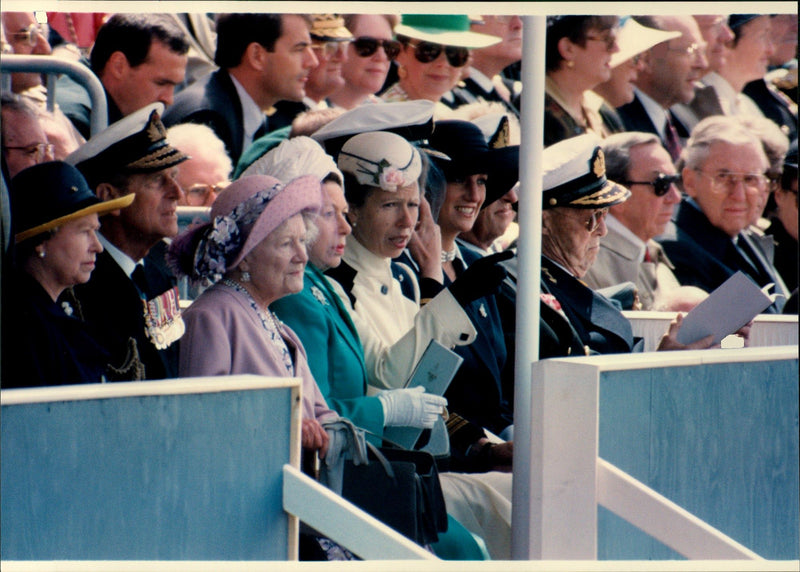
(559, 478)
(53, 66)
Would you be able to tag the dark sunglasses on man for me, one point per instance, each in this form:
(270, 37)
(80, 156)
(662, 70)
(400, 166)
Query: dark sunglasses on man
(661, 184)
(366, 47)
(426, 52)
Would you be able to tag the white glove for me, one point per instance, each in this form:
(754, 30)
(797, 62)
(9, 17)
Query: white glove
(411, 407)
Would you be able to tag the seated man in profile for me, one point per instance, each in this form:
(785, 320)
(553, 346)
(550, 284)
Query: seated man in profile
(724, 180)
(576, 320)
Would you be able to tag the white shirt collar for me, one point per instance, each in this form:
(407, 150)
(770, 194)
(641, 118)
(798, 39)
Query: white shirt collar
(612, 223)
(124, 261)
(484, 81)
(252, 116)
(657, 114)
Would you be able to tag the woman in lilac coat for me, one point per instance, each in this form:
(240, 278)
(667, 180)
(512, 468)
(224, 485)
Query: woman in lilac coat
(253, 252)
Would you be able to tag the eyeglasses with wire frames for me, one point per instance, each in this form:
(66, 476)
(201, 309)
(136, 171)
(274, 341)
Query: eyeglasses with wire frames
(594, 220)
(198, 195)
(426, 52)
(726, 181)
(330, 48)
(31, 34)
(692, 50)
(610, 40)
(38, 151)
(366, 47)
(661, 184)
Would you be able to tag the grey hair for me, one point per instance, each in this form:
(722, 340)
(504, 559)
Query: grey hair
(718, 129)
(200, 141)
(774, 141)
(617, 151)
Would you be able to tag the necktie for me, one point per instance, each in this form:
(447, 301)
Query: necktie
(671, 140)
(140, 280)
(647, 257)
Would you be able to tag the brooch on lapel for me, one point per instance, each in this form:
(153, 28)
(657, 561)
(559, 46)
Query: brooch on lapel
(482, 311)
(317, 293)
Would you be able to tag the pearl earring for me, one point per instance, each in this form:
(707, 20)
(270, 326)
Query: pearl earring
(42, 254)
(245, 276)
(570, 64)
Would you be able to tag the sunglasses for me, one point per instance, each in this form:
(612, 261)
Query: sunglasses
(661, 184)
(366, 47)
(426, 52)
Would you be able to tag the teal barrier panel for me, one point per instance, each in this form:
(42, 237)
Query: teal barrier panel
(194, 476)
(720, 440)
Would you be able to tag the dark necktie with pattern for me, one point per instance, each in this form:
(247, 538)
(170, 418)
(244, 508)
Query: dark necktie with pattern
(140, 280)
(671, 140)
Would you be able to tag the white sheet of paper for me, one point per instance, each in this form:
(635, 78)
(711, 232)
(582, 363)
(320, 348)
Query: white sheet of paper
(434, 370)
(737, 301)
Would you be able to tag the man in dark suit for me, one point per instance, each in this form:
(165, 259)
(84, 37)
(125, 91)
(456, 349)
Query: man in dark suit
(723, 179)
(329, 40)
(485, 81)
(131, 300)
(668, 76)
(262, 59)
(139, 58)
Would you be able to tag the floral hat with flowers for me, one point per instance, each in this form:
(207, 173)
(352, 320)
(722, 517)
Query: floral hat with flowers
(243, 215)
(381, 159)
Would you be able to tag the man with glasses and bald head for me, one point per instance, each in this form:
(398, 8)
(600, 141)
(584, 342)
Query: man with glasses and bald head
(669, 75)
(723, 177)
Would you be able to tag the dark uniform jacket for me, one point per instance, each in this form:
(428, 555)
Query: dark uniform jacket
(596, 321)
(212, 101)
(775, 105)
(705, 256)
(112, 305)
(42, 343)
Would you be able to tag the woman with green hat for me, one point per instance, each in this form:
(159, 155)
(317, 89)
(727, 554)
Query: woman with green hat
(435, 53)
(55, 218)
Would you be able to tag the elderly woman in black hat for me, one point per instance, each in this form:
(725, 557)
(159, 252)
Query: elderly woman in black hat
(55, 218)
(252, 252)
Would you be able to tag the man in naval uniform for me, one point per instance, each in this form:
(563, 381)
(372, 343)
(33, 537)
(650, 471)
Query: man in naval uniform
(131, 299)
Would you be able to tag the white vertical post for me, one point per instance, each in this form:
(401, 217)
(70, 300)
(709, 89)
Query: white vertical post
(529, 270)
(559, 513)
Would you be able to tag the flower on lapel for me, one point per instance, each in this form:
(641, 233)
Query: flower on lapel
(317, 293)
(551, 301)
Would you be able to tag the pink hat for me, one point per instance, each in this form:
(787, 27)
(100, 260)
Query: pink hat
(256, 205)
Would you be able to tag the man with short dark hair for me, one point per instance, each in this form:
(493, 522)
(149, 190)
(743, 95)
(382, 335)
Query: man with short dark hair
(724, 180)
(263, 59)
(139, 59)
(130, 301)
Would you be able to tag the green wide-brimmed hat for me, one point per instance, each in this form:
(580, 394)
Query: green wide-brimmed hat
(444, 29)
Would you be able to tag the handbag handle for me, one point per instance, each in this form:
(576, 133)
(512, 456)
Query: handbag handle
(387, 466)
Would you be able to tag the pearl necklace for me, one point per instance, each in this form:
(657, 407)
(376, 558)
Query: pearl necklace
(449, 255)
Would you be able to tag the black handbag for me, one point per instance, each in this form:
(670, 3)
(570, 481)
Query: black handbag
(400, 488)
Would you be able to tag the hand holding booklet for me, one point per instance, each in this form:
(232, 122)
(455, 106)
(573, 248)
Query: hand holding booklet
(434, 371)
(735, 303)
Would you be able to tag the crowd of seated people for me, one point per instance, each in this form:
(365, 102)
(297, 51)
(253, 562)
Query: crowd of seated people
(360, 175)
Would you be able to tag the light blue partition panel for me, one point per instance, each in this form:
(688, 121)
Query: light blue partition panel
(190, 475)
(720, 440)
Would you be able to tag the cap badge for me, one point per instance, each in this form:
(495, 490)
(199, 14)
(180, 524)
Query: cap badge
(599, 163)
(155, 129)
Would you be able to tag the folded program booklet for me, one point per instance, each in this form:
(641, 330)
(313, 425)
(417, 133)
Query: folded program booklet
(434, 371)
(737, 301)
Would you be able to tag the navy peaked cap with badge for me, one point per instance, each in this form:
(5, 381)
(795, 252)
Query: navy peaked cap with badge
(574, 175)
(137, 143)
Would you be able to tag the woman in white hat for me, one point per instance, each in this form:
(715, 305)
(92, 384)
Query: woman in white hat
(435, 52)
(55, 217)
(253, 252)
